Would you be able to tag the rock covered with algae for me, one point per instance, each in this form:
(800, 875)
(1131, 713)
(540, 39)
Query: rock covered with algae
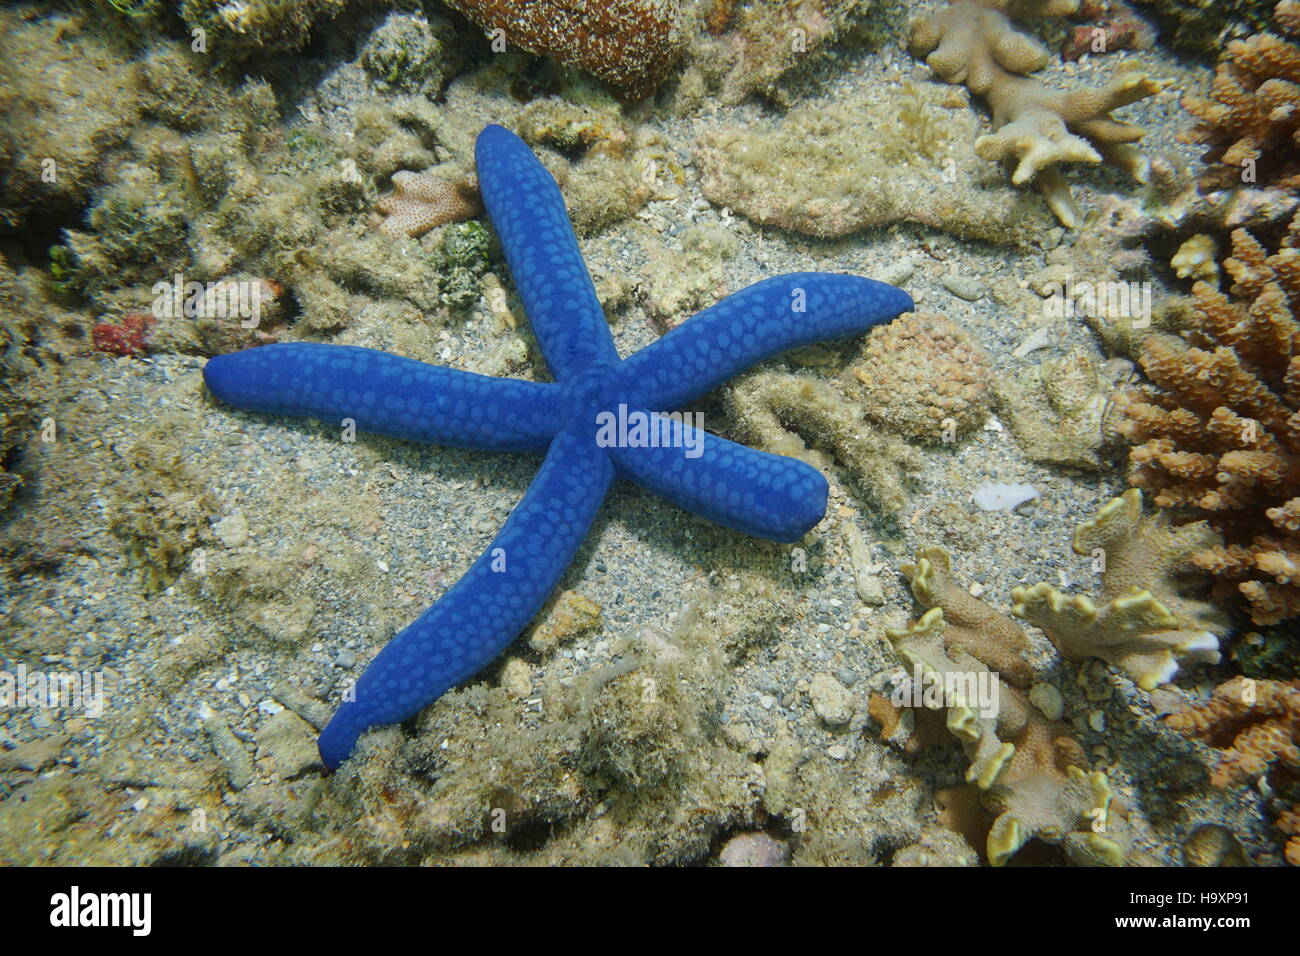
(813, 171)
(242, 29)
(54, 68)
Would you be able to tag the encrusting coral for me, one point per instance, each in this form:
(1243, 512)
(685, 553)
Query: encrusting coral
(924, 376)
(1057, 409)
(1219, 428)
(629, 44)
(772, 409)
(749, 48)
(421, 201)
(1141, 624)
(813, 172)
(1112, 25)
(1251, 116)
(1256, 727)
(1035, 127)
(1032, 773)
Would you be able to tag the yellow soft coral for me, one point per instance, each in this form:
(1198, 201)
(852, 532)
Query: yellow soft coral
(1031, 772)
(1132, 628)
(1133, 631)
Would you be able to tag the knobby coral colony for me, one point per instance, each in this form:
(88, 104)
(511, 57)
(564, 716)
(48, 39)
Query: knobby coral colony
(1035, 127)
(765, 495)
(630, 44)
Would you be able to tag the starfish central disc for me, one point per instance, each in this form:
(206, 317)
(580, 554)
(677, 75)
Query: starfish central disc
(587, 396)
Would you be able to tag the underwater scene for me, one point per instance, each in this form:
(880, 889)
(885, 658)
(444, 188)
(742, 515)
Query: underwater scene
(650, 433)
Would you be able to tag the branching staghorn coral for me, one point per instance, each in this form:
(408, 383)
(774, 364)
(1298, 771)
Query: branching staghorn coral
(1142, 625)
(1219, 429)
(1251, 117)
(1031, 772)
(1256, 727)
(1035, 127)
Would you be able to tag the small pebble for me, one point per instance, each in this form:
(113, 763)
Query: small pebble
(1048, 699)
(831, 701)
(963, 287)
(997, 496)
(232, 530)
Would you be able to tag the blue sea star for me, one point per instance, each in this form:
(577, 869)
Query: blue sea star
(766, 495)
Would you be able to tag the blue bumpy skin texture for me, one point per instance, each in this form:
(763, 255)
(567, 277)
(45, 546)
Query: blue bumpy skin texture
(769, 496)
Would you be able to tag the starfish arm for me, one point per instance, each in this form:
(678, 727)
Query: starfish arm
(486, 609)
(768, 496)
(527, 211)
(388, 395)
(752, 325)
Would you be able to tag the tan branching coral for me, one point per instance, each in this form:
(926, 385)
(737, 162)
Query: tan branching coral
(1032, 773)
(924, 376)
(1141, 624)
(629, 44)
(1219, 429)
(422, 201)
(1251, 117)
(1035, 127)
(1256, 727)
